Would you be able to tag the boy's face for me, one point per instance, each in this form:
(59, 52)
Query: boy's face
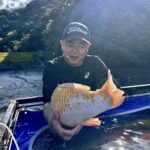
(74, 51)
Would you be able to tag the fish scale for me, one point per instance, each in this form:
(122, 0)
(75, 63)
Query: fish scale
(87, 110)
(76, 103)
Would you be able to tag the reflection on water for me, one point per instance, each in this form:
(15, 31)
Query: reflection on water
(19, 84)
(119, 133)
(128, 139)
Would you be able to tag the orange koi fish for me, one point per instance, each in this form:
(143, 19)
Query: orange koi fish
(77, 104)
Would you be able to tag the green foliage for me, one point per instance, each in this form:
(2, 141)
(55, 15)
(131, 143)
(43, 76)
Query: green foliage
(19, 57)
(11, 33)
(55, 26)
(22, 44)
(1, 39)
(38, 27)
(16, 45)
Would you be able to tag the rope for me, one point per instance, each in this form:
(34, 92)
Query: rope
(135, 86)
(8, 129)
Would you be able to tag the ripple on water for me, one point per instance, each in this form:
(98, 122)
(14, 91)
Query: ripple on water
(124, 136)
(18, 84)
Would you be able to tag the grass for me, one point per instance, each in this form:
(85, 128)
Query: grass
(18, 57)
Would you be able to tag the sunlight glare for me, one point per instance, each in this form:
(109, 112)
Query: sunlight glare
(121, 148)
(111, 148)
(13, 4)
(119, 142)
(135, 139)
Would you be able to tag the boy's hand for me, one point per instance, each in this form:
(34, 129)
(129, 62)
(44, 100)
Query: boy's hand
(53, 119)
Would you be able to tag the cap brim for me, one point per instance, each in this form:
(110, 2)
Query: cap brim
(76, 38)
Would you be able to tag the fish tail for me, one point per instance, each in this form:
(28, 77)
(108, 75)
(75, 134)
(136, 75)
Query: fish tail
(115, 93)
(92, 122)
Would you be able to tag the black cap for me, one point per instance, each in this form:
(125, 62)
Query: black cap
(76, 30)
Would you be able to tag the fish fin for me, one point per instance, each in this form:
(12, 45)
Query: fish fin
(92, 122)
(115, 93)
(81, 87)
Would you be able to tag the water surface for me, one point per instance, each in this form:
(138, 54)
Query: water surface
(117, 133)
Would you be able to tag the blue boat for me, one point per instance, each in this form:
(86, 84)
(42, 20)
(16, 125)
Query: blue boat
(25, 119)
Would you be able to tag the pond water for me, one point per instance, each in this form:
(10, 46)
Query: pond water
(17, 84)
(116, 137)
(124, 132)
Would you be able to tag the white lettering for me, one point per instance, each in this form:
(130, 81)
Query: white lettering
(76, 28)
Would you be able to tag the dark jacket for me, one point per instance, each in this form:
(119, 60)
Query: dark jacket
(93, 72)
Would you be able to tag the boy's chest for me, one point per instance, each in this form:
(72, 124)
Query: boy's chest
(83, 76)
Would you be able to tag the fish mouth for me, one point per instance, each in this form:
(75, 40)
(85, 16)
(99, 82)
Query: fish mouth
(67, 127)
